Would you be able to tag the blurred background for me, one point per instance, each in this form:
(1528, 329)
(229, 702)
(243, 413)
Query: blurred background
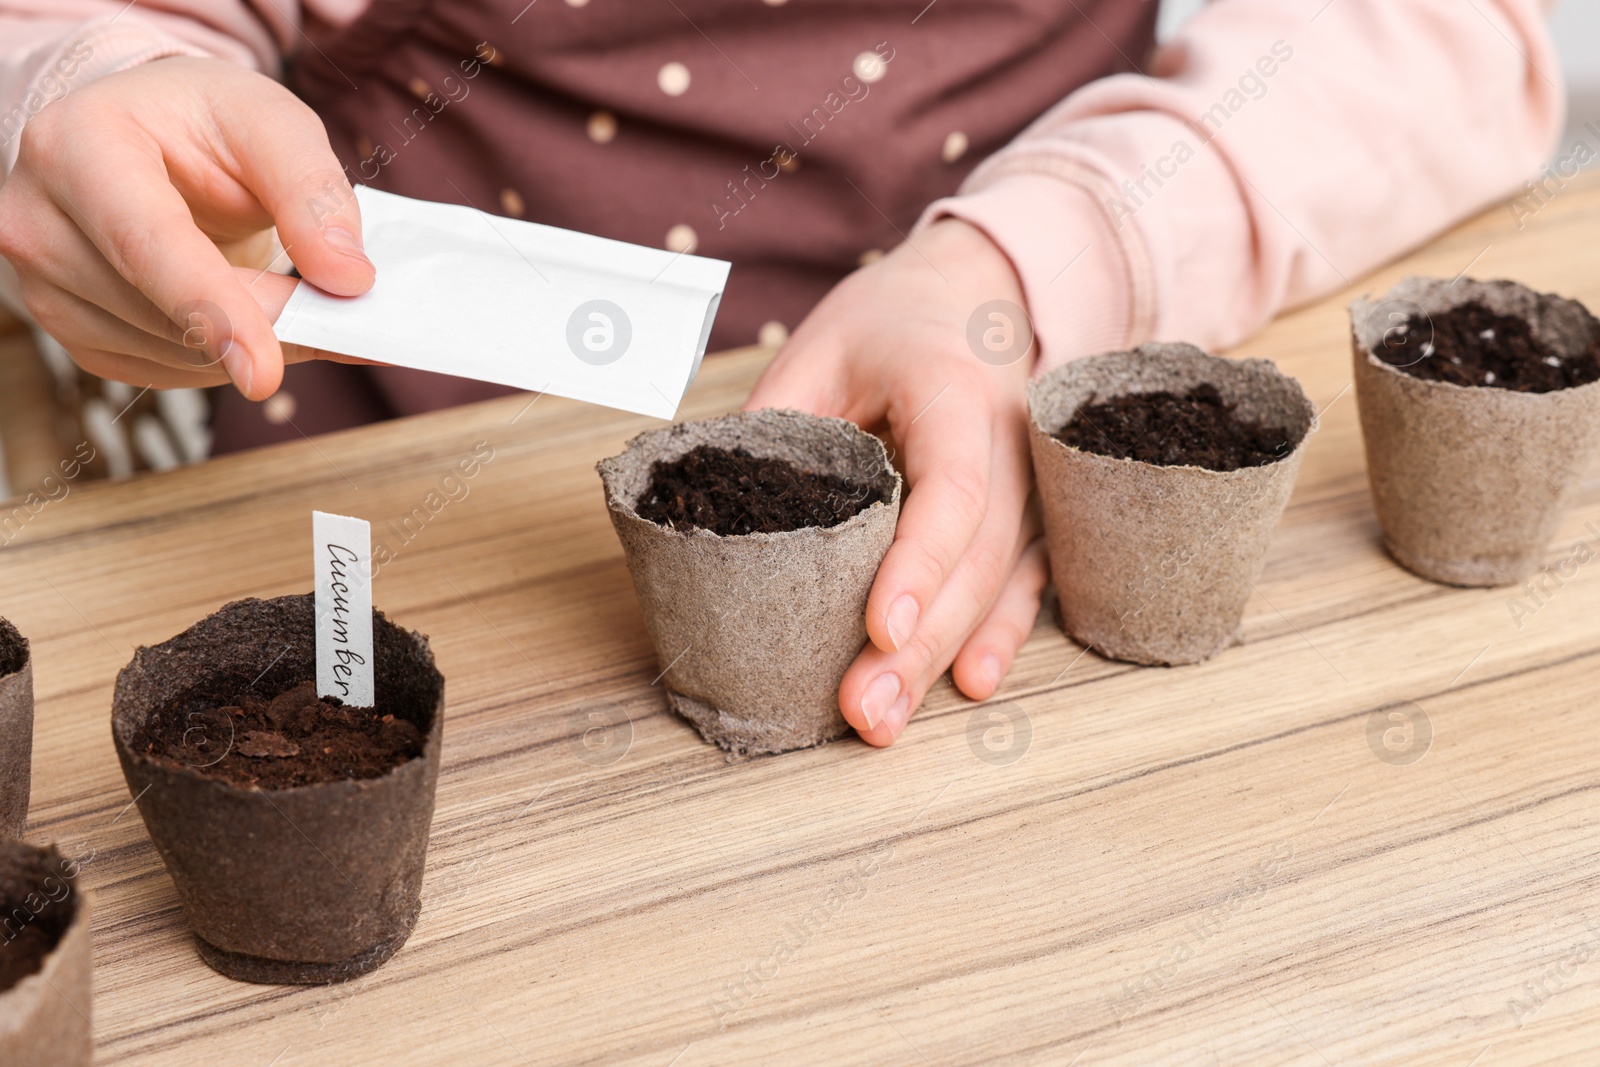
(1577, 25)
(1577, 29)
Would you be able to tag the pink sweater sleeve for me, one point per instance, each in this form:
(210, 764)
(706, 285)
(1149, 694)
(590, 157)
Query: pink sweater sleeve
(1276, 153)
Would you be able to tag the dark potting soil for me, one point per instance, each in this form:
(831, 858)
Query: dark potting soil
(732, 492)
(1471, 345)
(37, 902)
(295, 738)
(1197, 429)
(13, 649)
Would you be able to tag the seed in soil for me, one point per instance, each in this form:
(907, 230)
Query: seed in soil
(1472, 346)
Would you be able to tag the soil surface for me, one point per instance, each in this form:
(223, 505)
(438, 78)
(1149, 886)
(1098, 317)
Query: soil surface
(732, 492)
(13, 649)
(295, 738)
(37, 900)
(1471, 345)
(1197, 429)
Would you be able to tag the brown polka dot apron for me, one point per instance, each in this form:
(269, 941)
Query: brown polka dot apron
(796, 139)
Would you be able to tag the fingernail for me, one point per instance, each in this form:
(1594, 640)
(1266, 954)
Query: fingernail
(344, 240)
(898, 716)
(902, 620)
(991, 670)
(241, 370)
(879, 698)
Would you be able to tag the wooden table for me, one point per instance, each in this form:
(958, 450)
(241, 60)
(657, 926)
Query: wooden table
(1199, 865)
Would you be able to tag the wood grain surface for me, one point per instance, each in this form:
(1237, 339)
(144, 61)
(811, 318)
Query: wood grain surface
(1104, 865)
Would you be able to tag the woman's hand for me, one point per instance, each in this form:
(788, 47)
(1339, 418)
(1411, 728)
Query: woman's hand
(931, 343)
(131, 194)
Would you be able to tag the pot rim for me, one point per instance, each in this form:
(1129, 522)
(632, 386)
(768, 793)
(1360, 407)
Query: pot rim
(431, 739)
(36, 981)
(1368, 301)
(610, 466)
(1144, 352)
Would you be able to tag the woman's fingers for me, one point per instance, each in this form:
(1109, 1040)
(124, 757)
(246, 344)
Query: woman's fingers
(121, 367)
(92, 328)
(987, 655)
(84, 326)
(149, 170)
(953, 428)
(144, 229)
(74, 266)
(890, 345)
(69, 261)
(271, 292)
(151, 350)
(290, 167)
(882, 688)
(947, 441)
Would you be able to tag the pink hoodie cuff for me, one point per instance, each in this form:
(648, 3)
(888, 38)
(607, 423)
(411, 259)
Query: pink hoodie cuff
(54, 68)
(1072, 263)
(110, 46)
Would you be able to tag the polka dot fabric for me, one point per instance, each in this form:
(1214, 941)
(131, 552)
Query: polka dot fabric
(799, 140)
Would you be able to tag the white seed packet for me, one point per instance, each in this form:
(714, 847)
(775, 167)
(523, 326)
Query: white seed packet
(536, 307)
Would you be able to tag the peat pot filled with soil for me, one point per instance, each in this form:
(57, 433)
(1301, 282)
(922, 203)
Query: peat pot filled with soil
(753, 540)
(1162, 472)
(1480, 410)
(44, 960)
(16, 729)
(295, 828)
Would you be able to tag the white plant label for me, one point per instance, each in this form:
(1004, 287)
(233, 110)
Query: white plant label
(343, 566)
